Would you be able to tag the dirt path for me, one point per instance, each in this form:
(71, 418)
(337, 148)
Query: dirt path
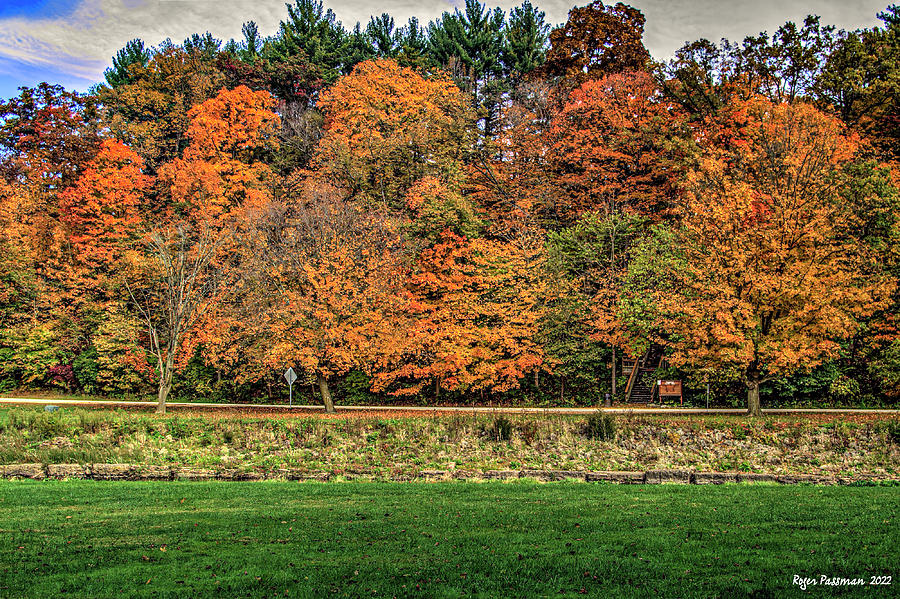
(405, 411)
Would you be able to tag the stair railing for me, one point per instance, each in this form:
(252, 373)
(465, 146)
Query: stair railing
(638, 362)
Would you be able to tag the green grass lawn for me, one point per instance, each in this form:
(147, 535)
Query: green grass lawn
(95, 539)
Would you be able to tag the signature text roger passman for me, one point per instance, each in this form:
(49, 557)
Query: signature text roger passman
(836, 581)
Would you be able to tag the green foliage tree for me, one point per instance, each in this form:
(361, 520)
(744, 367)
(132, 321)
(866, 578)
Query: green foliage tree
(383, 36)
(313, 32)
(861, 81)
(469, 43)
(588, 262)
(134, 53)
(202, 45)
(524, 41)
(412, 45)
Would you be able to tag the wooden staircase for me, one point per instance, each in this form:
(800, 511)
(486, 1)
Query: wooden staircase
(639, 388)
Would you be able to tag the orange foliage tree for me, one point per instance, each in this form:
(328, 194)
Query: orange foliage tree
(320, 281)
(149, 112)
(386, 127)
(471, 315)
(214, 192)
(770, 283)
(614, 145)
(103, 211)
(222, 176)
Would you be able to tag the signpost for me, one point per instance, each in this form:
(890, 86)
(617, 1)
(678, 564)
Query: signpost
(290, 376)
(670, 389)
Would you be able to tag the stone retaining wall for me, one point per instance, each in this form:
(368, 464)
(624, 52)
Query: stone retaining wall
(148, 472)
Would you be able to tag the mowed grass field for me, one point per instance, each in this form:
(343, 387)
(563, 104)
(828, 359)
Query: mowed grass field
(522, 539)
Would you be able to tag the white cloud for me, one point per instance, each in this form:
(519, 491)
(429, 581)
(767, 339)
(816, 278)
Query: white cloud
(82, 43)
(671, 23)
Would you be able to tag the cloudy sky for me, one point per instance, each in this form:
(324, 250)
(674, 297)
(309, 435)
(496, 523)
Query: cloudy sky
(71, 41)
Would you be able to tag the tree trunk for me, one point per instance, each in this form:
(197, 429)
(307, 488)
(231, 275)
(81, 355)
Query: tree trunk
(165, 385)
(326, 393)
(165, 382)
(612, 263)
(614, 372)
(753, 406)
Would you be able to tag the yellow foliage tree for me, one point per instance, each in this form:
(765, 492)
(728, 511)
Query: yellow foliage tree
(771, 281)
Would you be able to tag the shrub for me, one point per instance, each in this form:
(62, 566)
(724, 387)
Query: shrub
(46, 425)
(179, 428)
(501, 429)
(739, 432)
(600, 426)
(90, 422)
(528, 430)
(892, 430)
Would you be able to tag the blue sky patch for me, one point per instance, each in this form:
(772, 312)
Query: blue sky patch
(36, 9)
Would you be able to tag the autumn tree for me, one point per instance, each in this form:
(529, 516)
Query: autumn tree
(214, 191)
(173, 282)
(222, 176)
(321, 279)
(771, 281)
(104, 210)
(610, 155)
(149, 111)
(294, 80)
(597, 40)
(115, 362)
(387, 127)
(615, 145)
(513, 185)
(471, 316)
(47, 137)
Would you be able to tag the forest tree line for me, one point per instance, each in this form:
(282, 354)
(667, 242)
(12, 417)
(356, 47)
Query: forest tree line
(482, 209)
